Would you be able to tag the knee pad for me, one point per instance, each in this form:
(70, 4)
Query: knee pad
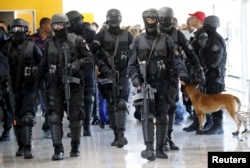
(28, 120)
(122, 105)
(89, 97)
(75, 124)
(162, 118)
(55, 119)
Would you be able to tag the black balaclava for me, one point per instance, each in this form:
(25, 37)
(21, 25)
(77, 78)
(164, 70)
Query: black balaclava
(61, 34)
(166, 24)
(19, 37)
(209, 30)
(77, 26)
(151, 29)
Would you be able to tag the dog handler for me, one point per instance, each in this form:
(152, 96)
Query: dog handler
(214, 57)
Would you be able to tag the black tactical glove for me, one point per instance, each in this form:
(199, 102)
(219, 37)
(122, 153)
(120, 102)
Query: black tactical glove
(136, 82)
(75, 66)
(201, 79)
(85, 61)
(184, 79)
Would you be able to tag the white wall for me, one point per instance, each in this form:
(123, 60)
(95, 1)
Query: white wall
(132, 9)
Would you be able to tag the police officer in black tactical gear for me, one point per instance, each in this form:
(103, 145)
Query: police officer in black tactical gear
(111, 50)
(166, 19)
(78, 27)
(5, 102)
(164, 66)
(61, 66)
(198, 41)
(24, 57)
(213, 57)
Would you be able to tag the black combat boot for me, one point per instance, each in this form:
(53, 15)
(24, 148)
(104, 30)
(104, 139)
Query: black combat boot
(159, 152)
(193, 127)
(217, 128)
(75, 152)
(5, 136)
(58, 152)
(27, 136)
(114, 143)
(148, 153)
(172, 145)
(18, 134)
(121, 140)
(161, 129)
(148, 135)
(86, 127)
(56, 132)
(75, 141)
(209, 122)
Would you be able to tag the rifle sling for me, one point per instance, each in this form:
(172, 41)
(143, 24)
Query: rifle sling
(59, 49)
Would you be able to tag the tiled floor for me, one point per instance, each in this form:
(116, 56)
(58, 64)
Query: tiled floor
(96, 151)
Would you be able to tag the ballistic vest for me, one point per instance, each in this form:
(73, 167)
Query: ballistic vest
(120, 58)
(22, 63)
(157, 62)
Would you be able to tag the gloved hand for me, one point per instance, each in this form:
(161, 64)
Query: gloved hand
(201, 79)
(75, 66)
(85, 61)
(136, 82)
(183, 79)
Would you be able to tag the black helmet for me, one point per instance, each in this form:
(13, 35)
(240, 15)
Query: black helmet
(19, 25)
(150, 13)
(166, 18)
(74, 15)
(212, 21)
(113, 17)
(166, 12)
(60, 19)
(151, 28)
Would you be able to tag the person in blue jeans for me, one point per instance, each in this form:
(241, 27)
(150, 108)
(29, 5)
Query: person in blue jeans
(179, 112)
(103, 115)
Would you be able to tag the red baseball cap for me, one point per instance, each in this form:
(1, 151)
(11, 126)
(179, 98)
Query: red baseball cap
(200, 15)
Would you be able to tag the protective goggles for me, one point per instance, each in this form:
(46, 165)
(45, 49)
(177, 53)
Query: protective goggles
(114, 18)
(18, 29)
(58, 26)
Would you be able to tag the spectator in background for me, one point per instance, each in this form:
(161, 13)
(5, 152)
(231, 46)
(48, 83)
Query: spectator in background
(189, 30)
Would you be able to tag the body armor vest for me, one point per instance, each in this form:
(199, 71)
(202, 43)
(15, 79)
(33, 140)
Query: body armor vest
(23, 64)
(120, 59)
(55, 59)
(156, 62)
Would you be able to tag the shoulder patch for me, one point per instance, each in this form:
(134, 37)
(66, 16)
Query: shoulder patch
(215, 47)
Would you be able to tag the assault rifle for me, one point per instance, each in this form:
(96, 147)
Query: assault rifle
(145, 93)
(112, 79)
(68, 78)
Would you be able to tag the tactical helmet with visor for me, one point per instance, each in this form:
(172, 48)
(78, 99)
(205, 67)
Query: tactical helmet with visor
(59, 21)
(113, 17)
(166, 17)
(18, 25)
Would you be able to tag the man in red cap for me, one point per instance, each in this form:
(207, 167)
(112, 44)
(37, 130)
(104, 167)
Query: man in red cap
(197, 41)
(199, 15)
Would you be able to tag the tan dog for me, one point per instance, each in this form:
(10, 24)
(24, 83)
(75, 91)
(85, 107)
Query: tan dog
(209, 103)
